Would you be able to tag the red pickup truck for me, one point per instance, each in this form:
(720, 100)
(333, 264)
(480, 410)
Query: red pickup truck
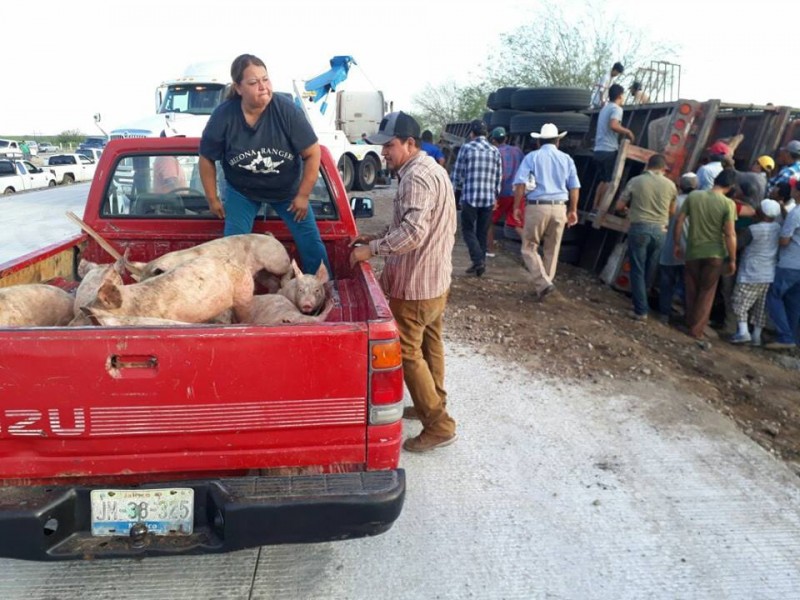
(134, 441)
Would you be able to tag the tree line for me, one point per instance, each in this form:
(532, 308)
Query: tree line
(559, 46)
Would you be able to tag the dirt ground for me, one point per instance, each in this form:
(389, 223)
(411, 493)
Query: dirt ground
(582, 332)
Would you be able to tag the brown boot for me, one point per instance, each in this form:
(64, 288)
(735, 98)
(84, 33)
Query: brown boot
(425, 442)
(409, 412)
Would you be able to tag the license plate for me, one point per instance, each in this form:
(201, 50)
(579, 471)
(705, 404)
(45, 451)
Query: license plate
(167, 511)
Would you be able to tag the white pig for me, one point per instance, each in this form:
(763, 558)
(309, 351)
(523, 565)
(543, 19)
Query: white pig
(307, 292)
(35, 304)
(254, 251)
(92, 276)
(197, 290)
(102, 317)
(274, 309)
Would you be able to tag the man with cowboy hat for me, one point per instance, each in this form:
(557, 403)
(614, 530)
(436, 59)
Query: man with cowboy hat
(545, 182)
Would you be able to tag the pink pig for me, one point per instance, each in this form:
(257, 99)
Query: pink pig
(195, 291)
(35, 304)
(307, 292)
(254, 251)
(274, 309)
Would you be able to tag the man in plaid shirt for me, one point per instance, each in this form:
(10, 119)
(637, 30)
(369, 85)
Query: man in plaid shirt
(478, 173)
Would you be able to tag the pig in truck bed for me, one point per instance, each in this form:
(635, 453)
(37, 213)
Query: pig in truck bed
(163, 440)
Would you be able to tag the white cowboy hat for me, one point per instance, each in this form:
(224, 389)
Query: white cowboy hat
(548, 132)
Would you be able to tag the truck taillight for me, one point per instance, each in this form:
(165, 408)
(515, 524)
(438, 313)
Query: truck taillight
(386, 383)
(386, 355)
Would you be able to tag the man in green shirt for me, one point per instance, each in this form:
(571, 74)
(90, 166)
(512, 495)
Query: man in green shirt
(652, 200)
(711, 239)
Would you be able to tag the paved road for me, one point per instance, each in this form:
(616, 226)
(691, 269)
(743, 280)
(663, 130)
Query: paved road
(553, 491)
(33, 219)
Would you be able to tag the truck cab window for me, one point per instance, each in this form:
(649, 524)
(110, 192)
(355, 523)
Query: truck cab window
(168, 186)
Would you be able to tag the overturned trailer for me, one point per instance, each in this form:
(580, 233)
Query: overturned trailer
(681, 130)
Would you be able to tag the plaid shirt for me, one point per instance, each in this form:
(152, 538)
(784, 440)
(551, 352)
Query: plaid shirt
(478, 173)
(418, 244)
(511, 157)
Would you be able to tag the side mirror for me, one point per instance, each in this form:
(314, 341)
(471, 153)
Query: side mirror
(362, 208)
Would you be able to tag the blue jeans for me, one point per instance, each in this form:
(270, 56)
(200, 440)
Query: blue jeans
(240, 212)
(475, 228)
(670, 282)
(783, 304)
(644, 250)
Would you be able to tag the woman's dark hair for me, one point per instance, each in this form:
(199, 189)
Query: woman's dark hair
(239, 64)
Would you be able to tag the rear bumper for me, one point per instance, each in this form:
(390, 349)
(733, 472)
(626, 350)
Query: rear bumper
(229, 514)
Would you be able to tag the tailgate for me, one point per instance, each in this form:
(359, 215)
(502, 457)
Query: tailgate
(89, 401)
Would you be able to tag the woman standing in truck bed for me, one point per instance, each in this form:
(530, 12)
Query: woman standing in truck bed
(269, 153)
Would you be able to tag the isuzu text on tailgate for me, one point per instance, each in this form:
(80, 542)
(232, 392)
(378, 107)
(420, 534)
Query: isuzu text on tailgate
(128, 436)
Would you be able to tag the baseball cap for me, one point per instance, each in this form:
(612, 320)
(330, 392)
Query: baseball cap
(793, 147)
(478, 127)
(396, 124)
(719, 148)
(498, 133)
(770, 208)
(689, 179)
(766, 162)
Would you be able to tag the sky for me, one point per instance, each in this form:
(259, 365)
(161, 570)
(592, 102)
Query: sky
(107, 57)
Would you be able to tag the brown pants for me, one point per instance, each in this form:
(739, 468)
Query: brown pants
(544, 225)
(420, 326)
(701, 278)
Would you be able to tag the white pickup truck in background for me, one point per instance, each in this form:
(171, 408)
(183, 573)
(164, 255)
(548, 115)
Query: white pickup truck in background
(10, 149)
(93, 153)
(69, 168)
(20, 175)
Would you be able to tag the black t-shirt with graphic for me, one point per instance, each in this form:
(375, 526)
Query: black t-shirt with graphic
(261, 162)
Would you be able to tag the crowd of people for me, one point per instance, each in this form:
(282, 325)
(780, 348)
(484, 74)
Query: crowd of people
(736, 230)
(726, 238)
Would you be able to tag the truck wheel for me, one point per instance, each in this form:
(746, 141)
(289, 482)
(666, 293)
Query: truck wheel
(551, 99)
(51, 183)
(68, 179)
(502, 97)
(502, 117)
(347, 171)
(8, 191)
(367, 173)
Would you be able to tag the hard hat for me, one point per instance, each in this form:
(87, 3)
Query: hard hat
(766, 162)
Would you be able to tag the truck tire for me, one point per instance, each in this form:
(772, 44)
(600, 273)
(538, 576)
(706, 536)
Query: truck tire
(366, 174)
(571, 122)
(8, 191)
(491, 101)
(502, 97)
(502, 117)
(51, 183)
(550, 99)
(69, 178)
(348, 171)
